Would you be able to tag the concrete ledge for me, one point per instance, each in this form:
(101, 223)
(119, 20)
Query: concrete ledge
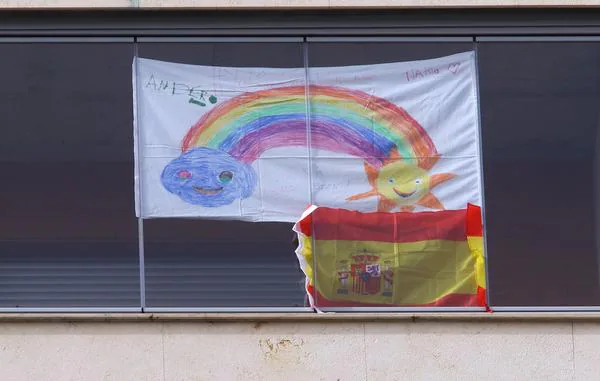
(264, 347)
(298, 317)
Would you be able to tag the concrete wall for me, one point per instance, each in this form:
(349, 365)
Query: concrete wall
(218, 4)
(400, 349)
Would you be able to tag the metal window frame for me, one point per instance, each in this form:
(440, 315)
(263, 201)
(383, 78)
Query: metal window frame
(71, 310)
(482, 175)
(138, 190)
(219, 40)
(533, 21)
(546, 309)
(384, 39)
(418, 26)
(491, 39)
(142, 218)
(70, 40)
(478, 40)
(66, 40)
(402, 309)
(306, 41)
(227, 309)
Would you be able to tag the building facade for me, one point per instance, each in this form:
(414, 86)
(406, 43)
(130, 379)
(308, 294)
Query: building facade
(90, 292)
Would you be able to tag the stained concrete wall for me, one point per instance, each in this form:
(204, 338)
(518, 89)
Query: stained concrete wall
(319, 350)
(218, 4)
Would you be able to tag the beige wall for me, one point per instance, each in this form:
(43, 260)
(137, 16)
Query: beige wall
(319, 350)
(214, 4)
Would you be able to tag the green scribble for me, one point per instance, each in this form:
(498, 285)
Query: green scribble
(196, 102)
(196, 94)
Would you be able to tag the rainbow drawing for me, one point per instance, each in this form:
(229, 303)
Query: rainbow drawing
(215, 169)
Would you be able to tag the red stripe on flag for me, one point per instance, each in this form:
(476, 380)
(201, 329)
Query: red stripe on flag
(305, 224)
(474, 221)
(450, 300)
(341, 224)
(482, 298)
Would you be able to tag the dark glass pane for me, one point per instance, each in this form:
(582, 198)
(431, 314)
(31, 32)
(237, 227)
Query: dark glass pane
(68, 232)
(209, 263)
(367, 53)
(539, 105)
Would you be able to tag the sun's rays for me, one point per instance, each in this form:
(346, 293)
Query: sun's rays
(402, 184)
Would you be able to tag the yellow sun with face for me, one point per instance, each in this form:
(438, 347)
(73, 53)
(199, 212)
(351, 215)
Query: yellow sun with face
(402, 183)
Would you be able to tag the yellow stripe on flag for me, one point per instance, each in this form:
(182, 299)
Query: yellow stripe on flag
(476, 247)
(422, 272)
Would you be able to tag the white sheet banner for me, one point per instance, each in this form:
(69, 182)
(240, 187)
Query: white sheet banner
(261, 144)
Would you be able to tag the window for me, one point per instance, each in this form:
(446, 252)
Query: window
(539, 103)
(68, 233)
(69, 237)
(208, 263)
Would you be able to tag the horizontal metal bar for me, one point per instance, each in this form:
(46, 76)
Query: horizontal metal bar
(389, 39)
(538, 39)
(403, 309)
(415, 22)
(292, 309)
(70, 309)
(411, 18)
(547, 309)
(65, 40)
(218, 39)
(226, 309)
(434, 31)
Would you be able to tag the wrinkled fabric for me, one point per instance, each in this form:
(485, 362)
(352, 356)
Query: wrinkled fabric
(392, 259)
(261, 144)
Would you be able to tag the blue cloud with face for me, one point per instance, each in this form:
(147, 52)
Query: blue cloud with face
(208, 177)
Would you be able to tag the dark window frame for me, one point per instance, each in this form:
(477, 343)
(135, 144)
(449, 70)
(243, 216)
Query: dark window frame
(562, 25)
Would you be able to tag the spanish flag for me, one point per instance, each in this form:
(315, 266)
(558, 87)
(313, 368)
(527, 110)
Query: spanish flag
(392, 259)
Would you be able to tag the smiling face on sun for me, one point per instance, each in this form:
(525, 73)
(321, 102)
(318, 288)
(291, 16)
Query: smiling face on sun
(402, 182)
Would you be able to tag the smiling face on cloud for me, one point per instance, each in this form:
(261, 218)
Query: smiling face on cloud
(207, 177)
